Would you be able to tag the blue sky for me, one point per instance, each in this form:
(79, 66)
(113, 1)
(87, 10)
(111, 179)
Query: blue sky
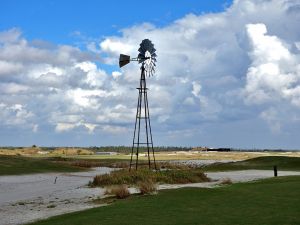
(227, 72)
(58, 21)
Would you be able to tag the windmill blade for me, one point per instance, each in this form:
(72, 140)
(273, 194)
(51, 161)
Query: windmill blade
(153, 70)
(145, 44)
(153, 55)
(152, 50)
(142, 49)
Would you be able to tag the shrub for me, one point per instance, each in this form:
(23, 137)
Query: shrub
(120, 165)
(85, 164)
(147, 187)
(134, 177)
(226, 181)
(168, 165)
(120, 191)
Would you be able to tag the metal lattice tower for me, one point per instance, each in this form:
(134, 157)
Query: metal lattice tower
(147, 58)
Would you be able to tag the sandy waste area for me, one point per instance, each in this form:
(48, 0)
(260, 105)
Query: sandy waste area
(26, 198)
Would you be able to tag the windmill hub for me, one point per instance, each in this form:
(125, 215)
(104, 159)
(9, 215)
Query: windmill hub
(147, 59)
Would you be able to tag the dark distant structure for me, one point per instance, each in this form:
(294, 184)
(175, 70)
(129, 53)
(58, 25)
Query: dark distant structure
(147, 59)
(219, 149)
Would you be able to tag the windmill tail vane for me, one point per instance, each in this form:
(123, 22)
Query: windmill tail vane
(142, 138)
(125, 59)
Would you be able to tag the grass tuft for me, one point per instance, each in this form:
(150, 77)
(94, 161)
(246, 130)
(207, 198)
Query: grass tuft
(120, 191)
(134, 177)
(226, 181)
(147, 187)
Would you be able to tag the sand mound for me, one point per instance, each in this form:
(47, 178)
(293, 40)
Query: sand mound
(72, 151)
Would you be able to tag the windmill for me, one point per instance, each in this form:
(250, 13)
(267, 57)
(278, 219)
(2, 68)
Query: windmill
(147, 59)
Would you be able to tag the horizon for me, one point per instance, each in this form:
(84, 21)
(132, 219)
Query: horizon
(162, 146)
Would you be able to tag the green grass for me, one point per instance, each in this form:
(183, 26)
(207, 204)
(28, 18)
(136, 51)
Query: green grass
(13, 165)
(261, 163)
(91, 162)
(273, 201)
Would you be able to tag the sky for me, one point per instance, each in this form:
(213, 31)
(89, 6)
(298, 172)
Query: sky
(227, 75)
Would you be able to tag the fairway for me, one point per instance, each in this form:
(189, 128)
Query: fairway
(259, 163)
(270, 202)
(190, 155)
(14, 165)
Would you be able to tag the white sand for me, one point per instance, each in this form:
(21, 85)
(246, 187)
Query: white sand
(25, 198)
(201, 162)
(234, 176)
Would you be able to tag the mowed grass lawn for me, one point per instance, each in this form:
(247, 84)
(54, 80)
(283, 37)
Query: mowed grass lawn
(15, 165)
(273, 201)
(259, 163)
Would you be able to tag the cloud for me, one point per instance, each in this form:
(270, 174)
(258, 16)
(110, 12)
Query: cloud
(271, 116)
(16, 115)
(215, 71)
(62, 87)
(273, 74)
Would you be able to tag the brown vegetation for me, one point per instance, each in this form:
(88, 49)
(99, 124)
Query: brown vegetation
(165, 176)
(72, 151)
(226, 181)
(86, 164)
(20, 151)
(147, 187)
(168, 165)
(120, 191)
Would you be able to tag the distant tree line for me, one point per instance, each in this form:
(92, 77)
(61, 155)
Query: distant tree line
(127, 149)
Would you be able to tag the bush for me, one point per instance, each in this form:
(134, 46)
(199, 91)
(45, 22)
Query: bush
(85, 164)
(147, 187)
(134, 177)
(120, 191)
(168, 165)
(226, 181)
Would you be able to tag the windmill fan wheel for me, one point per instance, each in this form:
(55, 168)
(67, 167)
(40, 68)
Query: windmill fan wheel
(147, 57)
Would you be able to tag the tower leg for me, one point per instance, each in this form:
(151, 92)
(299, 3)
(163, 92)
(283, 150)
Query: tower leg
(136, 121)
(146, 109)
(139, 124)
(146, 100)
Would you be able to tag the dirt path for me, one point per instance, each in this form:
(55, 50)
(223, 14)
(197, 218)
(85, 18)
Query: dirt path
(26, 198)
